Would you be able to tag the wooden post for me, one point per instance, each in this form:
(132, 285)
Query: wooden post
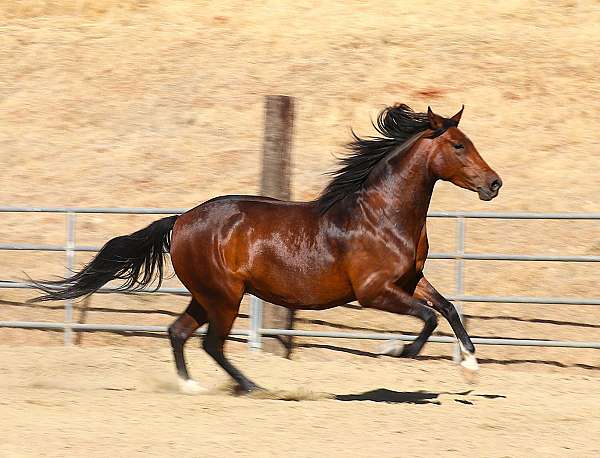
(279, 119)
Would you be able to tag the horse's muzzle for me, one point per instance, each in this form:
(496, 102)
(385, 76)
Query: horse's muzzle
(490, 191)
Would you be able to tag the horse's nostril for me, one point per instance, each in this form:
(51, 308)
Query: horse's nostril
(495, 185)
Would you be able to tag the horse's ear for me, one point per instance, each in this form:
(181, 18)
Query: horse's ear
(456, 117)
(435, 121)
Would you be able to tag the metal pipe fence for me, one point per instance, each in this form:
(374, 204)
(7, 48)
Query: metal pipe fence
(255, 332)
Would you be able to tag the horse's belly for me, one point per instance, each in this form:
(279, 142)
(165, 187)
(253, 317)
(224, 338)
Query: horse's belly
(301, 291)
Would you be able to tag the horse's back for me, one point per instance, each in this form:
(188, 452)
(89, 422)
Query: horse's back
(236, 212)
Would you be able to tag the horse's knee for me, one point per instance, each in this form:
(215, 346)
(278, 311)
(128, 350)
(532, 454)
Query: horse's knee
(447, 309)
(452, 313)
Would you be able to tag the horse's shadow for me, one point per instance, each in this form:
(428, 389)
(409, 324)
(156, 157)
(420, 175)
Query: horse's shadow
(391, 396)
(409, 397)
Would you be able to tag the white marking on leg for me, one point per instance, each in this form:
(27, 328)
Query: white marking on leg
(469, 361)
(391, 348)
(190, 386)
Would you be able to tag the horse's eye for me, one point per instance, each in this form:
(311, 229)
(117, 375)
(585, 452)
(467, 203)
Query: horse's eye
(459, 146)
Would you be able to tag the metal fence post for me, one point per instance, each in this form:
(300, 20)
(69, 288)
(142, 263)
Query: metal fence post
(459, 276)
(254, 336)
(71, 218)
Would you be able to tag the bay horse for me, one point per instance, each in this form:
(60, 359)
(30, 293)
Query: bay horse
(364, 238)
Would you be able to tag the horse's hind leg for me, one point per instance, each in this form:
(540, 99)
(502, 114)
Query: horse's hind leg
(179, 332)
(221, 321)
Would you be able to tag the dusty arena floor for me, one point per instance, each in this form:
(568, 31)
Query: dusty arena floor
(123, 402)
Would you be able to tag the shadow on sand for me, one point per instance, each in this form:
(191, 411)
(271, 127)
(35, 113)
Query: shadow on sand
(390, 396)
(412, 397)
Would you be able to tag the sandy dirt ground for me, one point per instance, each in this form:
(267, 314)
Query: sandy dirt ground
(123, 402)
(159, 104)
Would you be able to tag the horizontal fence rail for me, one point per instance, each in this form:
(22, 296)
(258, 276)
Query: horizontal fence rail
(490, 299)
(299, 333)
(447, 256)
(256, 331)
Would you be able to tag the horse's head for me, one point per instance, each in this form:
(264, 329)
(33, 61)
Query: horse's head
(454, 158)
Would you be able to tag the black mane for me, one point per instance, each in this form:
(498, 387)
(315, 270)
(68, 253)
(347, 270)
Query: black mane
(396, 124)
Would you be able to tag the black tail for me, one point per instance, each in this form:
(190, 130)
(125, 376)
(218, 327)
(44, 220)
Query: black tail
(136, 258)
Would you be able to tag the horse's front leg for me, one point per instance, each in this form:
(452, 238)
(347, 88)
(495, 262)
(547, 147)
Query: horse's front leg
(435, 300)
(391, 298)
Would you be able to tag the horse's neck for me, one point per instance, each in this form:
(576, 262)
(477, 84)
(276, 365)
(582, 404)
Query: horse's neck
(405, 188)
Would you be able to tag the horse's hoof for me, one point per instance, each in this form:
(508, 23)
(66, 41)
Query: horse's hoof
(391, 348)
(470, 368)
(190, 386)
(240, 390)
(409, 351)
(469, 362)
